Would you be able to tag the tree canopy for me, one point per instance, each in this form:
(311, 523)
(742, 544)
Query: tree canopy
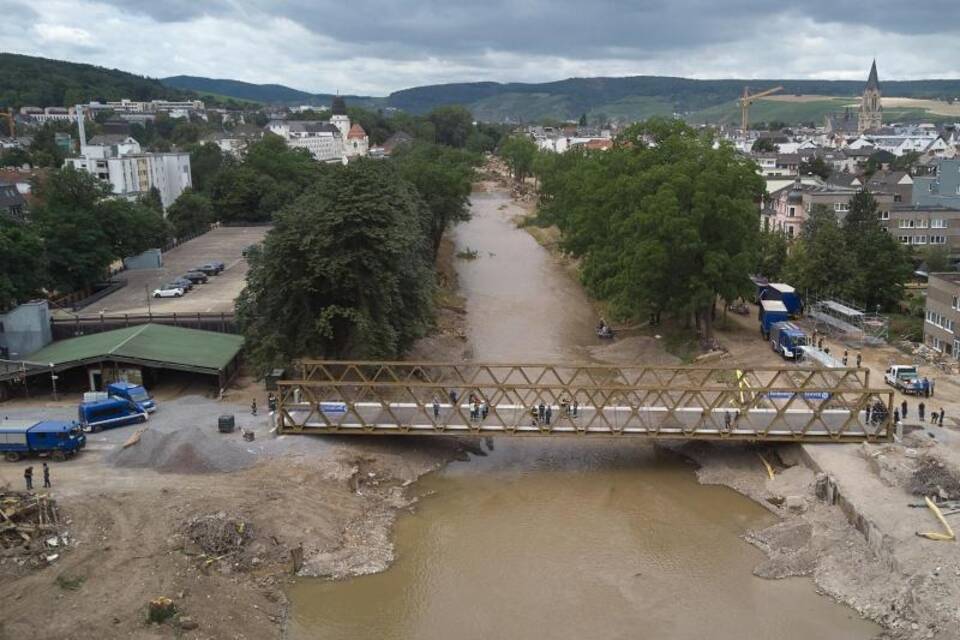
(666, 221)
(346, 270)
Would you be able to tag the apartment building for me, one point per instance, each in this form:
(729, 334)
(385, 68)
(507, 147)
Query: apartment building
(924, 225)
(943, 314)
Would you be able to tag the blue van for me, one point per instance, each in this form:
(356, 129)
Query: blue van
(112, 412)
(133, 392)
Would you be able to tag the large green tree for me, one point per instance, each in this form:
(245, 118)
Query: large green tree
(453, 125)
(190, 213)
(442, 176)
(22, 265)
(519, 152)
(346, 271)
(205, 161)
(666, 221)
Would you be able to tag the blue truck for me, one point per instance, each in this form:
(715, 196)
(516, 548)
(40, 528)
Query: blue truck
(56, 439)
(133, 392)
(785, 294)
(771, 312)
(786, 339)
(112, 412)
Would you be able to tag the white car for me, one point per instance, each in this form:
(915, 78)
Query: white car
(168, 292)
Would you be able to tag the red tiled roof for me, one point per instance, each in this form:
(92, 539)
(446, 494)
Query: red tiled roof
(356, 131)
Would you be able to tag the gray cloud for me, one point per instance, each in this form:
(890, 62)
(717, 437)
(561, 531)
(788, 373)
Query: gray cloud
(375, 46)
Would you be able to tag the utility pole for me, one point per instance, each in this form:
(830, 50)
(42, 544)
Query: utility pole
(146, 290)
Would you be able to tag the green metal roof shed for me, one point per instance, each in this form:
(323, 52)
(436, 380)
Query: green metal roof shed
(149, 345)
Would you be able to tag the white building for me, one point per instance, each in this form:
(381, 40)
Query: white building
(333, 141)
(358, 143)
(120, 161)
(47, 114)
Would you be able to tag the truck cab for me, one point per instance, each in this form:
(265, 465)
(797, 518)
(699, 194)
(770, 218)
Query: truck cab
(786, 339)
(56, 439)
(905, 378)
(133, 392)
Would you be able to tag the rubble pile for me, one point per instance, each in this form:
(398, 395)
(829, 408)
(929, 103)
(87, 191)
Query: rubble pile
(31, 530)
(932, 477)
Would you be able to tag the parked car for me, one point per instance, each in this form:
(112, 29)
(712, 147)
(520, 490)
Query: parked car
(174, 285)
(183, 283)
(168, 292)
(208, 268)
(219, 265)
(196, 277)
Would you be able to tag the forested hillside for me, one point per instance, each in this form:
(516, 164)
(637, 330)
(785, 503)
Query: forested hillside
(26, 80)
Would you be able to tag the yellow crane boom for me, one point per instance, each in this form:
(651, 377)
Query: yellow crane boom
(747, 99)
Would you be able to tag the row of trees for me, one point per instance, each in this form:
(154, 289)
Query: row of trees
(855, 259)
(73, 236)
(666, 221)
(348, 267)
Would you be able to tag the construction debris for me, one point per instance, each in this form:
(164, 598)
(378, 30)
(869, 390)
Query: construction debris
(932, 477)
(218, 535)
(30, 527)
(949, 536)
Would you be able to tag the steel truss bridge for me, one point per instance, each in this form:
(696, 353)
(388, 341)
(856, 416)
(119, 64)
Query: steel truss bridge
(788, 404)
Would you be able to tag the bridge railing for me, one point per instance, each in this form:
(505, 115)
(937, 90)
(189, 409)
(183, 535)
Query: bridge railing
(485, 398)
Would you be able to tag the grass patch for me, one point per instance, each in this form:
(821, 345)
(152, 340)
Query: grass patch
(68, 582)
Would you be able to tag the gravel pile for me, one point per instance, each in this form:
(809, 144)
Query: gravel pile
(934, 478)
(188, 450)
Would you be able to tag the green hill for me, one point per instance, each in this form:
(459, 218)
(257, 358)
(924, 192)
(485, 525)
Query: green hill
(41, 82)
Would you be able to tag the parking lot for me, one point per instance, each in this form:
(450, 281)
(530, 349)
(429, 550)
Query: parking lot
(225, 244)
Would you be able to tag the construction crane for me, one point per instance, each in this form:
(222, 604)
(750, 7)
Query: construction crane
(746, 100)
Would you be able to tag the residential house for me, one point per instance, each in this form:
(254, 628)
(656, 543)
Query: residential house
(942, 318)
(899, 183)
(790, 207)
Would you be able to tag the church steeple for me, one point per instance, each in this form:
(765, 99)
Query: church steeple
(871, 112)
(872, 81)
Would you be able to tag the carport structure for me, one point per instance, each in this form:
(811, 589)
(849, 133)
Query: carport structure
(149, 345)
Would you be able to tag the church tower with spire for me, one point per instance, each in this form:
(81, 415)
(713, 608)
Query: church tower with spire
(871, 113)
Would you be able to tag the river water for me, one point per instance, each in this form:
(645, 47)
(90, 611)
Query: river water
(558, 538)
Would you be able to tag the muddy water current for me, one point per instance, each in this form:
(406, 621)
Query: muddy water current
(557, 538)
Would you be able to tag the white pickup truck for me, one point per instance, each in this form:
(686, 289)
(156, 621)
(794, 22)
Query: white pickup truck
(905, 378)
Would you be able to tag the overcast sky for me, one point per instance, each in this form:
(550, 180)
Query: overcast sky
(377, 46)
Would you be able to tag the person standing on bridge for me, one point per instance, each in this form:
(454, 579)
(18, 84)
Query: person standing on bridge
(931, 387)
(903, 409)
(28, 478)
(549, 413)
(541, 412)
(484, 409)
(859, 360)
(253, 407)
(436, 408)
(921, 410)
(940, 419)
(845, 356)
(576, 408)
(896, 416)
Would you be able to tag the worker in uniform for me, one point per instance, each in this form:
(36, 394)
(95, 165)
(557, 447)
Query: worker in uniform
(46, 476)
(253, 407)
(271, 402)
(28, 478)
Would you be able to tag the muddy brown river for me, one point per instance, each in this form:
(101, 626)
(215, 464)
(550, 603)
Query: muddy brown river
(557, 538)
